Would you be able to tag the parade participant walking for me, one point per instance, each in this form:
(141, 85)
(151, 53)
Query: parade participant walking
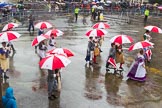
(101, 39)
(58, 79)
(51, 85)
(137, 70)
(31, 22)
(84, 20)
(96, 49)
(112, 54)
(90, 52)
(40, 32)
(147, 50)
(147, 12)
(147, 36)
(42, 50)
(76, 11)
(52, 43)
(8, 100)
(119, 55)
(4, 60)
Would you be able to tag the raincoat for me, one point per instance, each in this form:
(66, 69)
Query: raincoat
(8, 100)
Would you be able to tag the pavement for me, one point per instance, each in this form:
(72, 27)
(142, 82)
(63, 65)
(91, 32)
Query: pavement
(82, 87)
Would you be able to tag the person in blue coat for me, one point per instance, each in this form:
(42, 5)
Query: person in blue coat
(8, 100)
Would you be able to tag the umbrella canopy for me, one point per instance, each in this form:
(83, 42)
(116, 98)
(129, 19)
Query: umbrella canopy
(160, 7)
(54, 62)
(43, 25)
(153, 29)
(61, 51)
(54, 32)
(9, 36)
(101, 25)
(139, 45)
(112, 62)
(96, 32)
(39, 39)
(9, 26)
(121, 39)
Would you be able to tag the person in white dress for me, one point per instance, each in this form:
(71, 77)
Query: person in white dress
(137, 70)
(52, 43)
(42, 50)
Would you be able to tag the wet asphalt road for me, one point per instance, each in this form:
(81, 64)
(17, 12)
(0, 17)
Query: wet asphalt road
(82, 87)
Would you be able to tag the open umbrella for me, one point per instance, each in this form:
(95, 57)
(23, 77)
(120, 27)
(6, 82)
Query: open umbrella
(43, 25)
(9, 36)
(53, 62)
(121, 39)
(38, 39)
(54, 32)
(96, 32)
(153, 29)
(9, 26)
(160, 7)
(101, 25)
(61, 51)
(139, 45)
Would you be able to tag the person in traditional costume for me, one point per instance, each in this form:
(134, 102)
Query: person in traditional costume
(4, 59)
(112, 54)
(90, 51)
(52, 43)
(42, 50)
(137, 70)
(119, 56)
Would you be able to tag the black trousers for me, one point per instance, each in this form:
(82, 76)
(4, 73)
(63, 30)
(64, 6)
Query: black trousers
(145, 19)
(76, 17)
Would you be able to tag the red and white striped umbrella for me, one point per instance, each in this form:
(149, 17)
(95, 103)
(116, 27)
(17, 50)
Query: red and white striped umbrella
(9, 36)
(54, 62)
(38, 39)
(9, 26)
(101, 25)
(54, 32)
(61, 51)
(139, 45)
(121, 39)
(96, 32)
(43, 25)
(160, 7)
(112, 62)
(153, 29)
